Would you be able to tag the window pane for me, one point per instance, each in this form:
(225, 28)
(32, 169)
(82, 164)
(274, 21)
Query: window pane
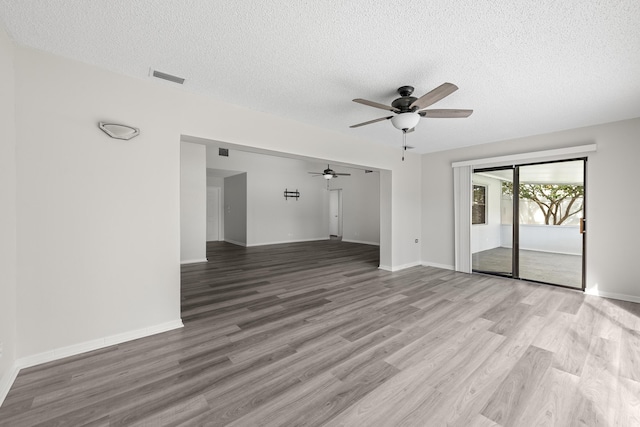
(478, 210)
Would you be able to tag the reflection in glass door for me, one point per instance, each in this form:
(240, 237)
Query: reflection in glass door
(492, 225)
(539, 238)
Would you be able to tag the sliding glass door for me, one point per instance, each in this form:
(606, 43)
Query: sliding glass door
(528, 222)
(551, 202)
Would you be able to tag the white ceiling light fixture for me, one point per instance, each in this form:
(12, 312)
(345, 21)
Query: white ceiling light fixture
(119, 131)
(405, 121)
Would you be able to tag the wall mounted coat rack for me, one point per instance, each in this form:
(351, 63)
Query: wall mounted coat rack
(288, 194)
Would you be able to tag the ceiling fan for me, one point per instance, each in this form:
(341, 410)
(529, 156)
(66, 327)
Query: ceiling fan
(409, 109)
(328, 173)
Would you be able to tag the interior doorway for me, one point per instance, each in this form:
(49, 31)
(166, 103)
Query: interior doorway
(335, 213)
(214, 213)
(528, 222)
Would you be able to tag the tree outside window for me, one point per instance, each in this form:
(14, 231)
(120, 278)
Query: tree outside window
(558, 203)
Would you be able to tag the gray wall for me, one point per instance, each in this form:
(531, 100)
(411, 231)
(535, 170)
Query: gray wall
(193, 203)
(361, 205)
(235, 209)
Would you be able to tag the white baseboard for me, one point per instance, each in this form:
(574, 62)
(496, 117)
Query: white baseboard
(540, 250)
(315, 239)
(436, 265)
(362, 242)
(399, 267)
(193, 261)
(612, 295)
(72, 350)
(233, 242)
(7, 381)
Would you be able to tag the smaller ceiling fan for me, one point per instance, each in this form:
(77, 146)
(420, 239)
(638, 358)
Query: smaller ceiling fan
(409, 109)
(328, 173)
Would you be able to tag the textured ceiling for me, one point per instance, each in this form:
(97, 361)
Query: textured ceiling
(524, 67)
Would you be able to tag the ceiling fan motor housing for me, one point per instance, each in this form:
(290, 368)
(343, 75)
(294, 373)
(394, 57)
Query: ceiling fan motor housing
(404, 103)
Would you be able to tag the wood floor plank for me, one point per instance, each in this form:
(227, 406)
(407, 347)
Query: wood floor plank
(550, 401)
(316, 334)
(596, 402)
(511, 398)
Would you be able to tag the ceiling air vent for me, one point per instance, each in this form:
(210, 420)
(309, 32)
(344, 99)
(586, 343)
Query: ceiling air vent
(223, 152)
(169, 77)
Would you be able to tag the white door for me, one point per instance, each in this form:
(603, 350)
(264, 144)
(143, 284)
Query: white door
(213, 214)
(335, 208)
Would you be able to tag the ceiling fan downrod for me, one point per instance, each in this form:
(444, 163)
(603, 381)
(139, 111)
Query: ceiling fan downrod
(404, 142)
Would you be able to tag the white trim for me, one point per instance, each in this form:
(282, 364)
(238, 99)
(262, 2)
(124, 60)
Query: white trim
(233, 242)
(530, 156)
(613, 295)
(193, 261)
(7, 381)
(72, 350)
(543, 251)
(362, 242)
(399, 267)
(436, 265)
(315, 239)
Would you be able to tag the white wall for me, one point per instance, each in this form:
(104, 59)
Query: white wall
(386, 217)
(85, 201)
(283, 135)
(8, 319)
(193, 203)
(273, 219)
(98, 218)
(561, 239)
(611, 239)
(487, 236)
(235, 209)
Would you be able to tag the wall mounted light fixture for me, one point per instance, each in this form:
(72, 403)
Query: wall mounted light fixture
(119, 131)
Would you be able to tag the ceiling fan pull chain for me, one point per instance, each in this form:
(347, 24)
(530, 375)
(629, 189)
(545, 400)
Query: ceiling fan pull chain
(404, 142)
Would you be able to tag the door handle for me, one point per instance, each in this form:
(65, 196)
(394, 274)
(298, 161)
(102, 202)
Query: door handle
(582, 226)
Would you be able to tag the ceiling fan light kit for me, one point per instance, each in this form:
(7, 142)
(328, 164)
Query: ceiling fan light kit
(405, 121)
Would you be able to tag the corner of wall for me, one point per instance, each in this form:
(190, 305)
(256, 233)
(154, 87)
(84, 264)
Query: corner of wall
(8, 217)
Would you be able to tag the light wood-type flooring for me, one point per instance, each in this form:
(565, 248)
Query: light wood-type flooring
(547, 267)
(315, 334)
